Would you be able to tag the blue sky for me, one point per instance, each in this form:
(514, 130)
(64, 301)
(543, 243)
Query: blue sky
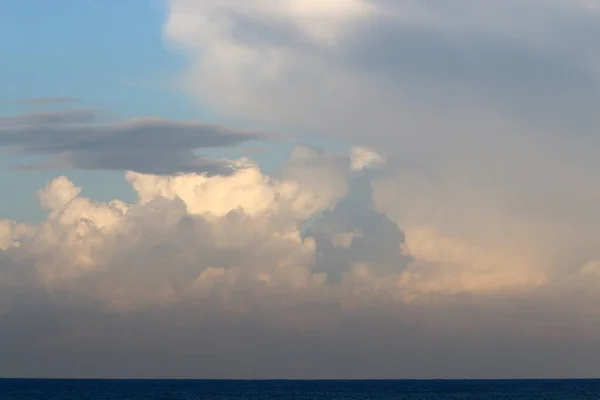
(108, 54)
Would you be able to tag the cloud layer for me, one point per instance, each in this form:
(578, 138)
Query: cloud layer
(76, 139)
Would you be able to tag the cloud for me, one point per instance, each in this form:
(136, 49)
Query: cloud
(427, 66)
(47, 118)
(482, 122)
(483, 98)
(227, 221)
(74, 139)
(48, 100)
(458, 239)
(58, 193)
(483, 113)
(365, 158)
(222, 276)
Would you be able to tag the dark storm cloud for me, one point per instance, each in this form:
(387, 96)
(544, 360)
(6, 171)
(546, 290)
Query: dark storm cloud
(150, 145)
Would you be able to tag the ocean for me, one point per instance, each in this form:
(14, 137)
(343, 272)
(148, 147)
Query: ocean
(34, 389)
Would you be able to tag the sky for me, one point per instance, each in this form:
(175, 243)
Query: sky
(300, 189)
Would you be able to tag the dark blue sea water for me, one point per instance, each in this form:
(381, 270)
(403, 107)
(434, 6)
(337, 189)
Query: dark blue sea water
(14, 389)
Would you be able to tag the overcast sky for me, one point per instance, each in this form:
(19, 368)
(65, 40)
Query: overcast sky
(300, 189)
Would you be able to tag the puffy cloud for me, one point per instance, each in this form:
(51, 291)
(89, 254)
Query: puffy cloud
(493, 91)
(11, 233)
(449, 265)
(321, 22)
(58, 193)
(365, 158)
(152, 145)
(305, 263)
(314, 220)
(309, 183)
(483, 112)
(212, 229)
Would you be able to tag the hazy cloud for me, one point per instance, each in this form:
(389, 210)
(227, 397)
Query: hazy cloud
(417, 66)
(47, 100)
(47, 118)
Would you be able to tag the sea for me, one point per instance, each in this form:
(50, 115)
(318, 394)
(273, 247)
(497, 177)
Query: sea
(33, 389)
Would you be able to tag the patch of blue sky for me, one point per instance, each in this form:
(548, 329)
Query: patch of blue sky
(111, 55)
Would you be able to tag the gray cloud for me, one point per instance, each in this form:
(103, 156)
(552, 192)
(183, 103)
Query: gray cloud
(425, 71)
(551, 86)
(48, 100)
(151, 145)
(356, 233)
(47, 118)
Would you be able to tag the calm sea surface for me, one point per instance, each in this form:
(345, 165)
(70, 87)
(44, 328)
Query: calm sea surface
(14, 389)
